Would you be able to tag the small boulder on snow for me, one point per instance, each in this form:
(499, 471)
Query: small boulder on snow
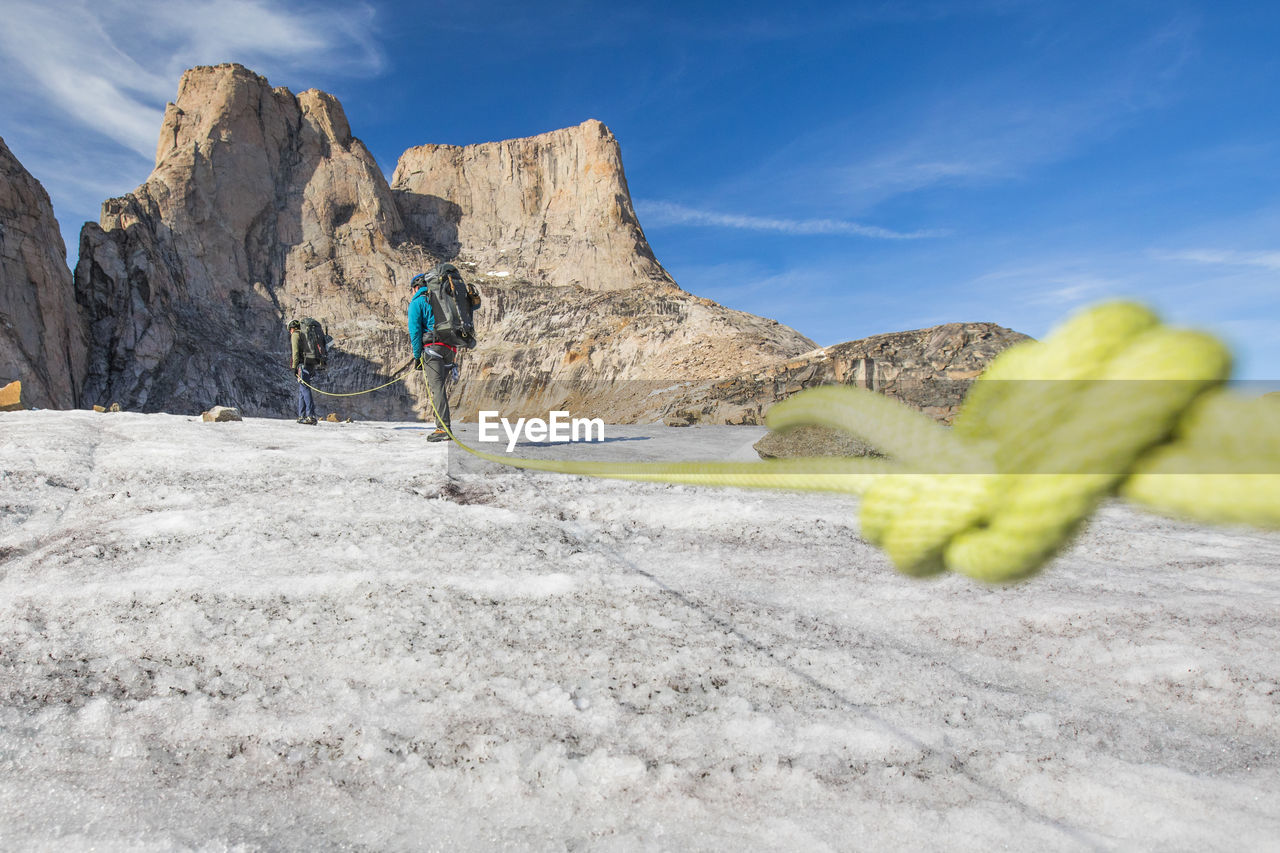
(222, 413)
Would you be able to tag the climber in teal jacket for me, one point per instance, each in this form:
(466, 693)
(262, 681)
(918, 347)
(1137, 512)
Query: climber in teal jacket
(433, 358)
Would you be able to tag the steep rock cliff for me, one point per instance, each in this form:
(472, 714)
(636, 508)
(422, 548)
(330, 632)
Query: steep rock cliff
(41, 337)
(263, 207)
(551, 209)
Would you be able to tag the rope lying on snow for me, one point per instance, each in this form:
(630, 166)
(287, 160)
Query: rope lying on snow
(1112, 402)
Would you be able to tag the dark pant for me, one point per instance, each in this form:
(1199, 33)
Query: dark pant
(306, 404)
(437, 371)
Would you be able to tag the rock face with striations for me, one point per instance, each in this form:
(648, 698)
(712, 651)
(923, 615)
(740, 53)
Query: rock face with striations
(551, 209)
(263, 207)
(41, 337)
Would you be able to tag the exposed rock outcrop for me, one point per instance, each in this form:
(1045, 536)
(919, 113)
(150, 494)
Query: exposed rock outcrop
(928, 369)
(41, 335)
(617, 354)
(551, 209)
(812, 441)
(221, 414)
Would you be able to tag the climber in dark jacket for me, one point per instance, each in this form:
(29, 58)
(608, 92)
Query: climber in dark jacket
(434, 358)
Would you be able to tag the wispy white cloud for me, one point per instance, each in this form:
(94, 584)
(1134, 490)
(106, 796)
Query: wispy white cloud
(1230, 293)
(1056, 284)
(1267, 260)
(109, 66)
(66, 56)
(661, 213)
(986, 140)
(85, 81)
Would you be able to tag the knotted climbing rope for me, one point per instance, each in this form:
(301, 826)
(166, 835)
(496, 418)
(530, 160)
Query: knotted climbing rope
(1112, 402)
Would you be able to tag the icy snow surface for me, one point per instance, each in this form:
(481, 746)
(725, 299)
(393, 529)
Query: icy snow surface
(267, 636)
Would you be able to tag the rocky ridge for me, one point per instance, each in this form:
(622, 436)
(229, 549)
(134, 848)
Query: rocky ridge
(927, 369)
(616, 353)
(261, 206)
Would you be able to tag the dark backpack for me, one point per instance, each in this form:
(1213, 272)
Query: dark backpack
(315, 343)
(453, 302)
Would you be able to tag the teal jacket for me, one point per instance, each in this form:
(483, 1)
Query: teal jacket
(422, 321)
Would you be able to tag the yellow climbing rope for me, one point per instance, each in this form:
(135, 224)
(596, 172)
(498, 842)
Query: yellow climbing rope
(1112, 402)
(354, 393)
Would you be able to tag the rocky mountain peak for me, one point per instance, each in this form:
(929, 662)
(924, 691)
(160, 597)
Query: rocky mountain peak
(262, 204)
(245, 147)
(553, 209)
(214, 100)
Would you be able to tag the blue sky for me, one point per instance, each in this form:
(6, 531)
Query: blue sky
(846, 168)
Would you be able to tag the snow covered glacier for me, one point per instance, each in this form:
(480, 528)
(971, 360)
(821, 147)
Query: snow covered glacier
(266, 636)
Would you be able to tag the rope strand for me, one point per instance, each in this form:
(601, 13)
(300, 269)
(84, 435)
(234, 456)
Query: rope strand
(356, 393)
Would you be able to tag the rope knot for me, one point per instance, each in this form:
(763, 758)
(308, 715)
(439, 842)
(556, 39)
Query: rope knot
(1047, 432)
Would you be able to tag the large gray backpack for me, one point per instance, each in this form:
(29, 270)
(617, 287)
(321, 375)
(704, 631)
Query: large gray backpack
(453, 302)
(315, 343)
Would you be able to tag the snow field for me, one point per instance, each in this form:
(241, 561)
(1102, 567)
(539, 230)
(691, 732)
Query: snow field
(261, 635)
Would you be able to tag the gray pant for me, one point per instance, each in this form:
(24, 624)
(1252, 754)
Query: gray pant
(437, 371)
